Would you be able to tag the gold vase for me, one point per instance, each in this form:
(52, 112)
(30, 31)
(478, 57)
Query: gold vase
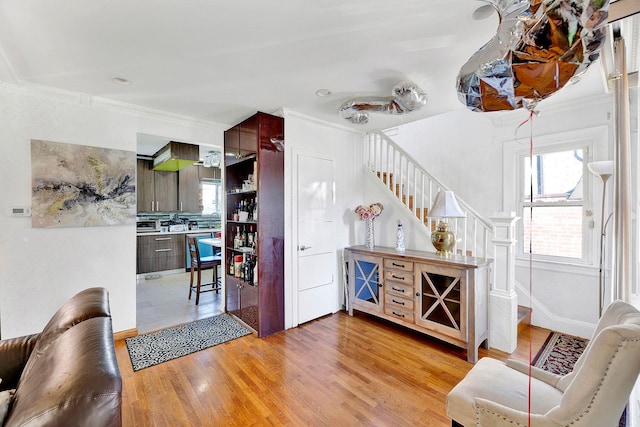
(443, 239)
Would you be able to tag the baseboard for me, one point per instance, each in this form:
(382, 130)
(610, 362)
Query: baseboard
(542, 317)
(127, 333)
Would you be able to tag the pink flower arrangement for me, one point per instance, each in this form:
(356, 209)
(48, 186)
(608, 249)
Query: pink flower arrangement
(369, 212)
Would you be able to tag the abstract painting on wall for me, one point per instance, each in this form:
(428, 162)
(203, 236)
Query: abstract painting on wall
(81, 186)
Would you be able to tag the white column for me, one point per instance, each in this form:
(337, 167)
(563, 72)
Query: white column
(503, 300)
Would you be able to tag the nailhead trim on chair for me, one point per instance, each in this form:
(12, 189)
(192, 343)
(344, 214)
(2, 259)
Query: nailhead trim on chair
(586, 411)
(497, 415)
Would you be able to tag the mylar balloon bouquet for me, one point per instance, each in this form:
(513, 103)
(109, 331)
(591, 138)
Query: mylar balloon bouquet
(540, 45)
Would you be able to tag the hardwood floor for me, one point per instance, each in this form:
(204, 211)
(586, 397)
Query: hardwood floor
(334, 371)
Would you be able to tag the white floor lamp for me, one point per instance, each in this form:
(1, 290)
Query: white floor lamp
(603, 169)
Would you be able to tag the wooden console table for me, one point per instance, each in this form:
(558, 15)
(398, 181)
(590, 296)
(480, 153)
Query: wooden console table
(446, 298)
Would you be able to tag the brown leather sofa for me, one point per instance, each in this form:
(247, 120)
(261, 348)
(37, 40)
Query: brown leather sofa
(68, 374)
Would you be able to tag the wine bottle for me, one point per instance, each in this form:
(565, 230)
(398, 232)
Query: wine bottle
(250, 209)
(255, 209)
(236, 239)
(250, 237)
(247, 270)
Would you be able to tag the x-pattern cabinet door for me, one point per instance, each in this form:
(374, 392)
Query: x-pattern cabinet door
(441, 299)
(365, 278)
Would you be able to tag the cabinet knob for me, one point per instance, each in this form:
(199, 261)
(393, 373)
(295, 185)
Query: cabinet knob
(417, 294)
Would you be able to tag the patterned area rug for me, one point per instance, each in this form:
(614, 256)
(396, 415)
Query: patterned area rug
(558, 355)
(167, 344)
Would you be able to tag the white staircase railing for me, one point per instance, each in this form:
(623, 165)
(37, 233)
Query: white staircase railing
(417, 189)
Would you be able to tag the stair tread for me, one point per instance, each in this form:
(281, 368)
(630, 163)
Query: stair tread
(523, 313)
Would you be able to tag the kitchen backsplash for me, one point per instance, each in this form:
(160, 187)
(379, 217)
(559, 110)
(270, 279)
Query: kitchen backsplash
(203, 221)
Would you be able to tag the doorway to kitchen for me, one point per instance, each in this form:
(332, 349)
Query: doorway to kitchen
(190, 199)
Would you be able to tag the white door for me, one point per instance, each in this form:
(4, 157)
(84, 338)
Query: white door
(316, 287)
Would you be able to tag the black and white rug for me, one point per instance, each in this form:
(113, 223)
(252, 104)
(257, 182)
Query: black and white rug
(167, 344)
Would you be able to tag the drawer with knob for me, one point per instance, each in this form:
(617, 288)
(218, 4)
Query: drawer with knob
(400, 289)
(397, 302)
(396, 264)
(398, 312)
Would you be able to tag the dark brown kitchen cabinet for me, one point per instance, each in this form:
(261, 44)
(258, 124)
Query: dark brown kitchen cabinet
(156, 191)
(145, 186)
(160, 252)
(208, 173)
(189, 190)
(254, 184)
(241, 140)
(166, 191)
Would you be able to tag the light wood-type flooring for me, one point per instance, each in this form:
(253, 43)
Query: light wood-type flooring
(163, 302)
(334, 371)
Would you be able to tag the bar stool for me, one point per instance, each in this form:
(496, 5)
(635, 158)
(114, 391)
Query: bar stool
(197, 264)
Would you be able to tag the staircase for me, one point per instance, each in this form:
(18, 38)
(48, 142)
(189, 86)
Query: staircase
(413, 188)
(524, 318)
(416, 189)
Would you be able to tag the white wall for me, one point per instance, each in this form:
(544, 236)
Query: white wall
(304, 134)
(41, 268)
(386, 225)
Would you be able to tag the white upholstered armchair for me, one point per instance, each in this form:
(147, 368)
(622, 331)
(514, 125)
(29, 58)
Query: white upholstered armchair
(593, 394)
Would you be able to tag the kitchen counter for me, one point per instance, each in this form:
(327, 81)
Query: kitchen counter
(201, 230)
(165, 251)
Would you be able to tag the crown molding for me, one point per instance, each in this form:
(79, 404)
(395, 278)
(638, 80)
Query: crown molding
(46, 92)
(511, 118)
(286, 112)
(151, 113)
(62, 95)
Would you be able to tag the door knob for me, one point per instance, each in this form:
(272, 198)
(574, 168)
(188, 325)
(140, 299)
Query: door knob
(303, 247)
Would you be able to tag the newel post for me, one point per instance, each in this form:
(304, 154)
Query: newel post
(503, 300)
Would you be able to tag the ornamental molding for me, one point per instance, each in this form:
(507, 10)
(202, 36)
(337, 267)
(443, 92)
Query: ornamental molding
(62, 95)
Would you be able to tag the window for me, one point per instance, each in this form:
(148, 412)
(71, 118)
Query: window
(553, 220)
(211, 197)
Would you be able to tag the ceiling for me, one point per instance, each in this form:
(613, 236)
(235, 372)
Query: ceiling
(221, 61)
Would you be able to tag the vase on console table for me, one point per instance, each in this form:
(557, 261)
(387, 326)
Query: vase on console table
(368, 233)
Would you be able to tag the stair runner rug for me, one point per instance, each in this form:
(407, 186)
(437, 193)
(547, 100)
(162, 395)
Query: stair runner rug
(168, 344)
(558, 355)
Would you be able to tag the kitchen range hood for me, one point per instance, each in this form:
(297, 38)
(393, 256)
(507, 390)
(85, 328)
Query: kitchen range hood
(175, 156)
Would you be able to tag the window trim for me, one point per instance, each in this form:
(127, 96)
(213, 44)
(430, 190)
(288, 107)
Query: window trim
(596, 141)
